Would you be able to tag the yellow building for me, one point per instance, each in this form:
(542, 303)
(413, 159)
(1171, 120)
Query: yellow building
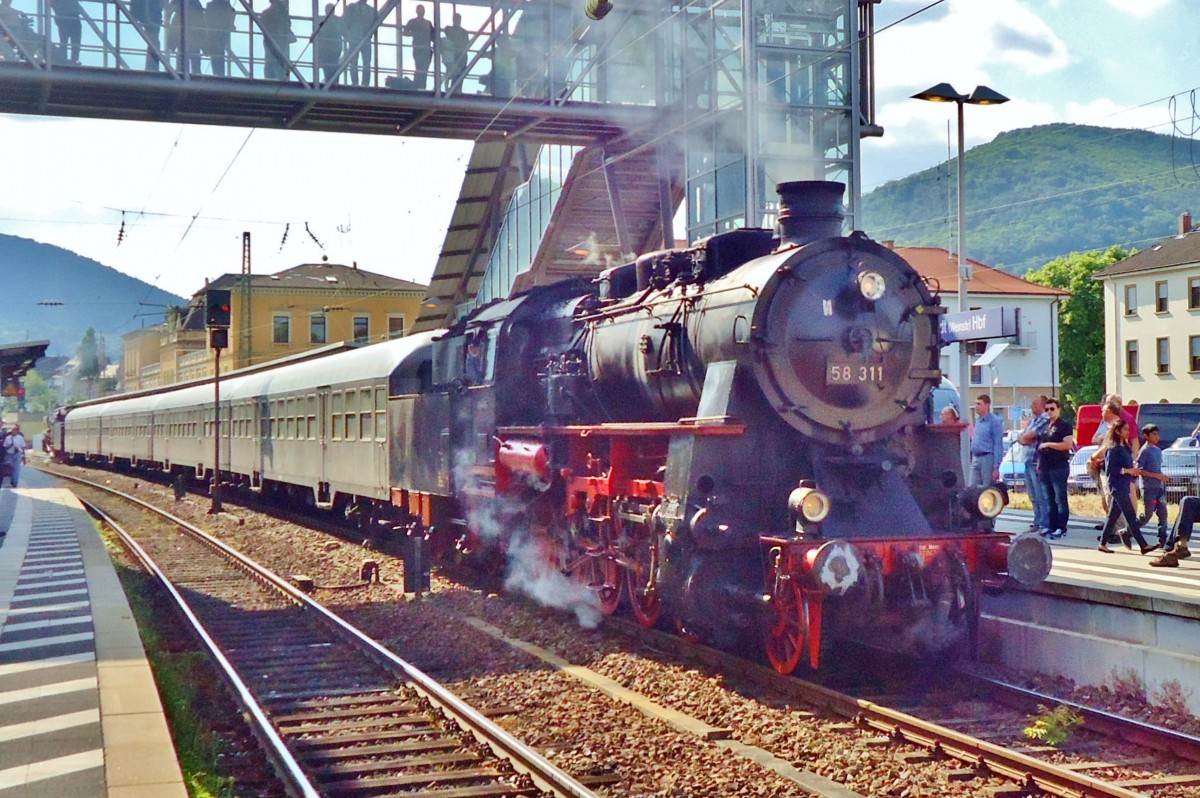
(273, 316)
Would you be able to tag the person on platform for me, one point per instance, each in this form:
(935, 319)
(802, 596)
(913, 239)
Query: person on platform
(1120, 470)
(276, 23)
(149, 16)
(328, 41)
(949, 414)
(219, 22)
(358, 23)
(1029, 439)
(456, 43)
(1189, 511)
(987, 443)
(68, 18)
(14, 453)
(1055, 443)
(1154, 481)
(421, 31)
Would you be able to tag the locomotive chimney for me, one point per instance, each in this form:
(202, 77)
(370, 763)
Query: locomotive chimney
(809, 210)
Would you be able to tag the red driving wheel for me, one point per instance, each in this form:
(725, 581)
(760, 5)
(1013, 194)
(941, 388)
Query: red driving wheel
(643, 593)
(787, 634)
(605, 577)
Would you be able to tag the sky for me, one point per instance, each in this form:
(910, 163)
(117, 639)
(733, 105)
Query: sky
(185, 194)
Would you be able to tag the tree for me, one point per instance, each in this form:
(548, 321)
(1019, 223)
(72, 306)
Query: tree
(89, 358)
(1080, 320)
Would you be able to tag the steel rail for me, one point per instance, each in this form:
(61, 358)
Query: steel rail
(1158, 738)
(285, 764)
(1031, 773)
(523, 758)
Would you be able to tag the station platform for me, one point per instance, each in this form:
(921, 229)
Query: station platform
(1100, 618)
(80, 716)
(1081, 571)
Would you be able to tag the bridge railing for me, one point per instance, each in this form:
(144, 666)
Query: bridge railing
(534, 49)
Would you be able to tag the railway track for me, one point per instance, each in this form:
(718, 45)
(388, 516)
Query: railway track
(973, 742)
(336, 713)
(973, 748)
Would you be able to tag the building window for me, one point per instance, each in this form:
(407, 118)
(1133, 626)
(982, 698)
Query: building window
(1131, 300)
(396, 326)
(282, 329)
(1160, 296)
(1194, 352)
(316, 328)
(1194, 293)
(362, 329)
(1163, 353)
(1131, 360)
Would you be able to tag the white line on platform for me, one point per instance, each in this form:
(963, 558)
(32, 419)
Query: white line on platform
(41, 642)
(14, 668)
(18, 731)
(46, 690)
(49, 768)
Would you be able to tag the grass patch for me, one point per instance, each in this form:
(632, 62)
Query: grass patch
(177, 675)
(1085, 505)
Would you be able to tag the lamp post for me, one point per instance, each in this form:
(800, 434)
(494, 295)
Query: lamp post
(945, 93)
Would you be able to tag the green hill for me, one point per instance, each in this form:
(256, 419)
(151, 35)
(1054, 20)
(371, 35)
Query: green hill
(52, 293)
(1035, 194)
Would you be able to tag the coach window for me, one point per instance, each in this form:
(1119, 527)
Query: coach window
(335, 416)
(1161, 301)
(362, 329)
(1131, 300)
(396, 326)
(380, 414)
(316, 328)
(291, 418)
(366, 423)
(312, 417)
(351, 414)
(1163, 353)
(281, 329)
(1131, 358)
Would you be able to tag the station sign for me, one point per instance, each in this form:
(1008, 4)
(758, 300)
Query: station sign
(979, 325)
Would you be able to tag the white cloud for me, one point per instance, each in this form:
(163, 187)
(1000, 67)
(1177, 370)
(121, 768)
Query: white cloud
(1139, 8)
(973, 38)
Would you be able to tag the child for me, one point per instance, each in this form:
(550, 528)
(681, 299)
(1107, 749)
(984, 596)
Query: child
(1154, 481)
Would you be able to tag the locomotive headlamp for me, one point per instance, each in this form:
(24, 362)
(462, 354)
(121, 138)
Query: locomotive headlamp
(990, 503)
(872, 285)
(985, 502)
(809, 504)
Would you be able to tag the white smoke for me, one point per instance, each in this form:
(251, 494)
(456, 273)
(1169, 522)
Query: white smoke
(529, 567)
(530, 572)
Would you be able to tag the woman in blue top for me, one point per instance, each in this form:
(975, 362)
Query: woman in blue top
(1118, 467)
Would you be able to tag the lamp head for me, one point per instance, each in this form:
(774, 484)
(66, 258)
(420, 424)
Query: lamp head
(985, 96)
(941, 93)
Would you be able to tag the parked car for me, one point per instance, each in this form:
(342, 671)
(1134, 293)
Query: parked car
(1184, 442)
(1012, 467)
(1182, 468)
(1079, 480)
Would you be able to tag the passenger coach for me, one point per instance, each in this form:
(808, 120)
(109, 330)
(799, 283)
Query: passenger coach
(315, 429)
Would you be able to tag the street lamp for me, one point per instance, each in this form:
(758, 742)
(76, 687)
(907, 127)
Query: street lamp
(945, 93)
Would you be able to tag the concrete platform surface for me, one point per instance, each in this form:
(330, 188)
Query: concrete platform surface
(80, 715)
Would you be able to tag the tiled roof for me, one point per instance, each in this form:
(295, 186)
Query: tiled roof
(940, 265)
(324, 276)
(1179, 250)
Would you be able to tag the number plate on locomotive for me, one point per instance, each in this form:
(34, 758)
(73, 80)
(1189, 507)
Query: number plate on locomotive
(853, 372)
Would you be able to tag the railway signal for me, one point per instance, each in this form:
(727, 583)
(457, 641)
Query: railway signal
(218, 308)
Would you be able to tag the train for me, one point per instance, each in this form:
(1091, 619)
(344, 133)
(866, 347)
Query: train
(729, 440)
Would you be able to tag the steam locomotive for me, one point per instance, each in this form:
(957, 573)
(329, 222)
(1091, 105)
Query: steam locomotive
(730, 439)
